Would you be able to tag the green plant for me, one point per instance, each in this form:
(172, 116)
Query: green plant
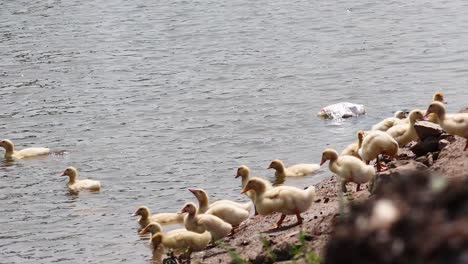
(268, 248)
(301, 251)
(236, 258)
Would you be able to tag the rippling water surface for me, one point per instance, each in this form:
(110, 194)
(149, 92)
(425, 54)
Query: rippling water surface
(153, 97)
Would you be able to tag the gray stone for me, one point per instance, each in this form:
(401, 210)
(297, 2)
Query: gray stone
(426, 160)
(426, 129)
(450, 138)
(397, 169)
(429, 144)
(443, 143)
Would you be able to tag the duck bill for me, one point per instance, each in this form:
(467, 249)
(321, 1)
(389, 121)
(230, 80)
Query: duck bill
(246, 189)
(191, 190)
(182, 211)
(143, 231)
(237, 176)
(63, 174)
(322, 162)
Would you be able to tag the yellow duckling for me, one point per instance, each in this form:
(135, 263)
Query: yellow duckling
(76, 185)
(11, 153)
(455, 124)
(295, 170)
(405, 133)
(286, 200)
(227, 210)
(389, 122)
(244, 172)
(187, 240)
(154, 228)
(200, 223)
(375, 143)
(348, 168)
(352, 149)
(162, 218)
(437, 97)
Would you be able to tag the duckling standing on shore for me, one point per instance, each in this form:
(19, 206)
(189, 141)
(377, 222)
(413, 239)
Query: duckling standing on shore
(286, 200)
(348, 168)
(352, 149)
(405, 133)
(244, 172)
(376, 143)
(455, 124)
(200, 223)
(437, 97)
(229, 211)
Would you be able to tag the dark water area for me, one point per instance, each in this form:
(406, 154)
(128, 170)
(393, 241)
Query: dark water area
(152, 98)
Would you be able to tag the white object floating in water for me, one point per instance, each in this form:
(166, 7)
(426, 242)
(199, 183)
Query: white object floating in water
(342, 110)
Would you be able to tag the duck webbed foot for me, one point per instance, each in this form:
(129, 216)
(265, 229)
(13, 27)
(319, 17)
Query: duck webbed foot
(279, 223)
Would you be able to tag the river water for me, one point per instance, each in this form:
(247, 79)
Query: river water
(154, 97)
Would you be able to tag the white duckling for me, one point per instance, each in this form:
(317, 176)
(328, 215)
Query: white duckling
(405, 133)
(200, 223)
(244, 172)
(204, 203)
(76, 185)
(375, 143)
(455, 124)
(162, 218)
(187, 240)
(295, 170)
(11, 153)
(349, 168)
(228, 211)
(352, 149)
(389, 122)
(286, 200)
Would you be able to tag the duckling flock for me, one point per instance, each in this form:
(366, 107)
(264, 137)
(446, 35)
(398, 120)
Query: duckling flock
(210, 221)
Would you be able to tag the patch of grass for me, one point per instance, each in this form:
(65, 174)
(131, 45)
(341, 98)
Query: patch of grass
(294, 252)
(269, 249)
(236, 257)
(301, 251)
